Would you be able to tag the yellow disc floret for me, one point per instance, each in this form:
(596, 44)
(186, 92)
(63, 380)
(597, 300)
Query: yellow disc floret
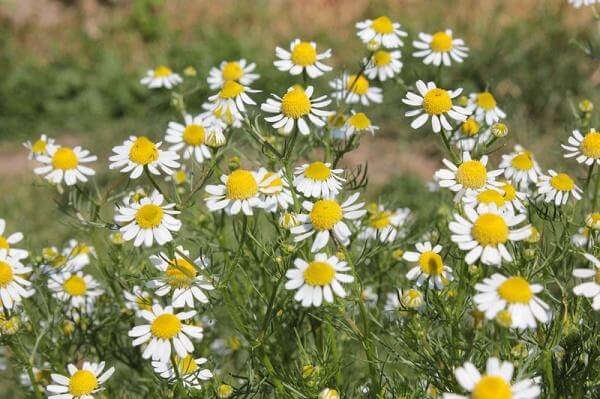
(441, 42)
(380, 219)
(562, 182)
(162, 72)
(194, 135)
(522, 161)
(275, 184)
(295, 103)
(4, 242)
(232, 71)
(39, 147)
(75, 286)
(149, 216)
(187, 365)
(325, 214)
(359, 121)
(304, 54)
(515, 290)
(65, 158)
(180, 273)
(82, 383)
(317, 171)
(490, 229)
(6, 274)
(319, 273)
(470, 127)
(472, 174)
(431, 263)
(143, 151)
(231, 89)
(382, 25)
(382, 58)
(166, 326)
(491, 387)
(491, 197)
(358, 85)
(241, 185)
(486, 101)
(590, 145)
(437, 101)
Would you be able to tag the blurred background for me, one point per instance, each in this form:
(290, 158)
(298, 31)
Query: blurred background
(71, 69)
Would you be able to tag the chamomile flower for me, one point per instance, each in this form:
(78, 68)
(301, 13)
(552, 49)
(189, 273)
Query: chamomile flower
(441, 48)
(383, 65)
(187, 369)
(384, 225)
(318, 180)
(589, 289)
(232, 98)
(191, 137)
(494, 384)
(137, 153)
(326, 217)
(381, 31)
(435, 103)
(485, 232)
(166, 330)
(584, 148)
(239, 71)
(429, 267)
(77, 255)
(592, 220)
(148, 221)
(39, 147)
(137, 299)
(484, 107)
(275, 190)
(221, 116)
(355, 88)
(521, 167)
(318, 280)
(505, 197)
(65, 164)
(580, 3)
(239, 192)
(293, 107)
(302, 56)
(181, 277)
(7, 242)
(78, 289)
(469, 177)
(558, 187)
(358, 123)
(514, 294)
(13, 285)
(161, 76)
(470, 134)
(81, 383)
(582, 237)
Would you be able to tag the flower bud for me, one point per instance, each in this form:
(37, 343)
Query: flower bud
(529, 253)
(397, 254)
(116, 238)
(592, 221)
(308, 370)
(534, 236)
(190, 71)
(234, 163)
(9, 326)
(329, 393)
(373, 45)
(215, 138)
(499, 130)
(586, 106)
(288, 220)
(412, 299)
(224, 391)
(504, 318)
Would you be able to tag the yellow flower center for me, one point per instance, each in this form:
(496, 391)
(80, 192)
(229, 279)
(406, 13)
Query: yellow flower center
(504, 318)
(472, 174)
(187, 365)
(597, 278)
(522, 161)
(437, 101)
(491, 387)
(382, 58)
(241, 185)
(360, 87)
(162, 72)
(82, 382)
(180, 273)
(431, 263)
(510, 192)
(232, 71)
(179, 177)
(39, 147)
(75, 286)
(515, 290)
(317, 171)
(491, 197)
(275, 183)
(149, 216)
(295, 103)
(231, 89)
(486, 101)
(166, 326)
(4, 243)
(470, 127)
(319, 273)
(382, 25)
(143, 151)
(325, 214)
(590, 145)
(441, 42)
(143, 302)
(64, 158)
(380, 220)
(562, 182)
(359, 121)
(490, 229)
(194, 135)
(304, 54)
(6, 274)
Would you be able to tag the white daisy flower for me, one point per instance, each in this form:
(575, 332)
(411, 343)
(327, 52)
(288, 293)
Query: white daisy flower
(589, 289)
(148, 220)
(137, 299)
(318, 280)
(191, 137)
(39, 147)
(582, 237)
(161, 76)
(592, 220)
(469, 135)
(558, 187)
(440, 48)
(13, 285)
(77, 255)
(302, 56)
(470, 177)
(318, 180)
(293, 107)
(7, 242)
(239, 71)
(435, 103)
(65, 164)
(521, 167)
(221, 116)
(506, 198)
(326, 217)
(275, 190)
(165, 331)
(515, 295)
(580, 3)
(485, 231)
(180, 277)
(384, 225)
(239, 192)
(586, 148)
(179, 177)
(137, 153)
(495, 383)
(357, 123)
(188, 370)
(484, 107)
(381, 31)
(232, 99)
(405, 299)
(355, 88)
(78, 289)
(430, 266)
(383, 65)
(81, 383)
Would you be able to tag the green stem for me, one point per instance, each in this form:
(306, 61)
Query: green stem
(448, 146)
(154, 183)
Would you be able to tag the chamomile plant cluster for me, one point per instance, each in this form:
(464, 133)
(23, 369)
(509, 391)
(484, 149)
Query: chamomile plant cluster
(236, 252)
